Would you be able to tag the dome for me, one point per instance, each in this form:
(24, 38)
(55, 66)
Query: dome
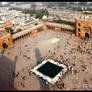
(44, 17)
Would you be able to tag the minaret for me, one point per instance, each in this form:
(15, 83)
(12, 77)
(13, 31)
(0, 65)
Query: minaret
(82, 8)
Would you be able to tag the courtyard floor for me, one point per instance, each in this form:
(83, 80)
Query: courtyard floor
(27, 52)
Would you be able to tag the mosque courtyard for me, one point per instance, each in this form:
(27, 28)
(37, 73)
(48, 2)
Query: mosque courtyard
(26, 53)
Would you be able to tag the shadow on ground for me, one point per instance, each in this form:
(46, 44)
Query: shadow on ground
(7, 67)
(43, 85)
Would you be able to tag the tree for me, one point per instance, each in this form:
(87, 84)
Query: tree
(18, 30)
(9, 30)
(51, 4)
(64, 22)
(40, 13)
(33, 5)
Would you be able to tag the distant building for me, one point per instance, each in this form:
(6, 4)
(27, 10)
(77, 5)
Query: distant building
(76, 2)
(4, 3)
(83, 27)
(50, 18)
(23, 6)
(39, 5)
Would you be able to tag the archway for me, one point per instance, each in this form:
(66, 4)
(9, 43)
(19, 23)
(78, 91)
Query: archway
(87, 29)
(87, 36)
(4, 45)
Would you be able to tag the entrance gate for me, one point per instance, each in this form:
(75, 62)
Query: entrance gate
(87, 36)
(4, 45)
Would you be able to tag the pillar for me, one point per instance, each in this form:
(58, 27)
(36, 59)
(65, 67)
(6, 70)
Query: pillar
(58, 29)
(44, 27)
(34, 31)
(76, 32)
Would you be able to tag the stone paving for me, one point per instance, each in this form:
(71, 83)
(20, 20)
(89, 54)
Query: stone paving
(27, 52)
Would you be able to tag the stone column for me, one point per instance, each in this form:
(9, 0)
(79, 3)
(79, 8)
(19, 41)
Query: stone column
(76, 32)
(44, 27)
(58, 29)
(34, 31)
